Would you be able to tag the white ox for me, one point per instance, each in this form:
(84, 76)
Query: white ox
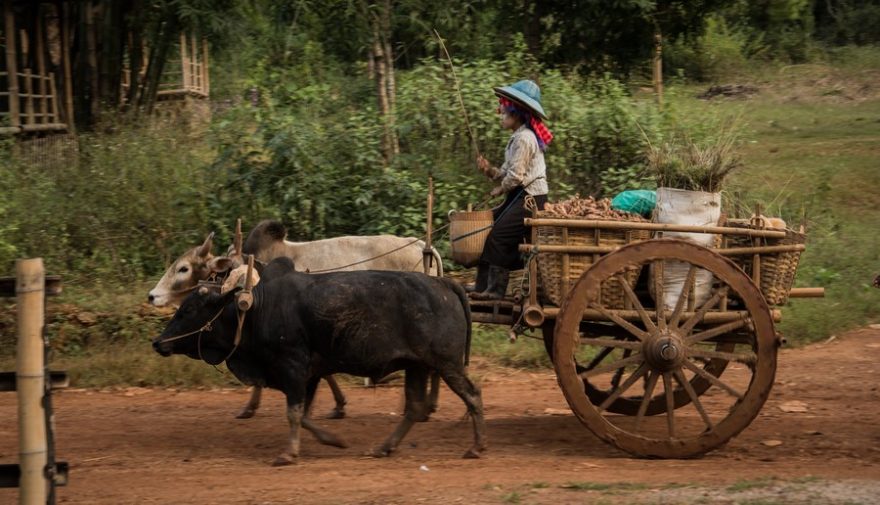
(266, 242)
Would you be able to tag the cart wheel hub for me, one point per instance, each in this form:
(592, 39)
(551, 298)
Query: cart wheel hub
(664, 351)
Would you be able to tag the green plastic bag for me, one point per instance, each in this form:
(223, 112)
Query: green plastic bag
(637, 201)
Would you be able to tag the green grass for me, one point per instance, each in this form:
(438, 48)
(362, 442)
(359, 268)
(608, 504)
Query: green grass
(604, 486)
(744, 485)
(815, 160)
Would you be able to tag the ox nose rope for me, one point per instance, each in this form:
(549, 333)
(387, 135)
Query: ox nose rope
(208, 327)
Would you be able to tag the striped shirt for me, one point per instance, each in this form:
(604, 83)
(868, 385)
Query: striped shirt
(523, 164)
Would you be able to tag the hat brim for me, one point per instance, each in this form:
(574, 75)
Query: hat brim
(520, 98)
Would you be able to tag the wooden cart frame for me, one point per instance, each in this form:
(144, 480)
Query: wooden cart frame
(647, 376)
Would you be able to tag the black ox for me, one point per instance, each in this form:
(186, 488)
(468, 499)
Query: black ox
(305, 326)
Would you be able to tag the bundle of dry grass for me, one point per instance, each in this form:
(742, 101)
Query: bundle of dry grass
(683, 163)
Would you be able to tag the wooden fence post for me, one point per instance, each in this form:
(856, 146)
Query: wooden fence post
(30, 378)
(11, 63)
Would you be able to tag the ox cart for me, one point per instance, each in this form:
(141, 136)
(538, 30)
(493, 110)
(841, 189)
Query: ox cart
(662, 348)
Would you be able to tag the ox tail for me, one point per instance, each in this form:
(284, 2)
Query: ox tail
(465, 304)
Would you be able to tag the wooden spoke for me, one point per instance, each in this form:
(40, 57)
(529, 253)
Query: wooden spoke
(746, 358)
(646, 399)
(598, 358)
(640, 371)
(670, 403)
(681, 304)
(695, 398)
(659, 297)
(623, 323)
(615, 380)
(607, 342)
(714, 380)
(701, 312)
(646, 318)
(716, 331)
(632, 360)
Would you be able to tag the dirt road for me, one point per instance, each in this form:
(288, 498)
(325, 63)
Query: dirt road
(161, 446)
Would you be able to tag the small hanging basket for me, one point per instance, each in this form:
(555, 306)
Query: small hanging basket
(467, 233)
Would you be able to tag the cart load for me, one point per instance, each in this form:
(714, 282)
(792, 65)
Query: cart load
(662, 334)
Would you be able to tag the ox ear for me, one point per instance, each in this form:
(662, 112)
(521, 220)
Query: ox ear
(205, 248)
(221, 264)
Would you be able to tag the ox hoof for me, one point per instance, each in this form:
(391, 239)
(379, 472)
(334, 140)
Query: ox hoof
(379, 452)
(336, 413)
(246, 413)
(284, 460)
(473, 453)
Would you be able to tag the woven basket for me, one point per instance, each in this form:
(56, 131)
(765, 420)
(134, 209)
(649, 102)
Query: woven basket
(467, 234)
(560, 271)
(777, 269)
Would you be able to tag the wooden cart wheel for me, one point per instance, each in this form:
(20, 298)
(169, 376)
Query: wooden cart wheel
(666, 350)
(629, 405)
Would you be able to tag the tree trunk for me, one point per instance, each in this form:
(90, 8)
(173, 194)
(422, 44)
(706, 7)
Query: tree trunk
(113, 42)
(391, 84)
(158, 54)
(135, 52)
(382, 92)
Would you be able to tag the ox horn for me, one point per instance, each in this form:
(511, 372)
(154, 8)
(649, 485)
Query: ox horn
(205, 248)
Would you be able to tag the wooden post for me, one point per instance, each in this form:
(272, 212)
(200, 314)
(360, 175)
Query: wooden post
(54, 93)
(11, 63)
(658, 68)
(29, 94)
(184, 66)
(206, 82)
(30, 381)
(428, 253)
(195, 77)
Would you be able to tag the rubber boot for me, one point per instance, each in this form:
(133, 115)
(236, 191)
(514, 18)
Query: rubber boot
(482, 279)
(497, 285)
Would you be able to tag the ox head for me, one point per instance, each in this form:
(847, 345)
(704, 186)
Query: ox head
(199, 329)
(184, 274)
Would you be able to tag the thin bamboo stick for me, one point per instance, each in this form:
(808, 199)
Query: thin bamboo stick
(593, 249)
(629, 225)
(11, 64)
(806, 293)
(30, 381)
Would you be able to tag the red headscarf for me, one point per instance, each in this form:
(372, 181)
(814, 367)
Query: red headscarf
(534, 122)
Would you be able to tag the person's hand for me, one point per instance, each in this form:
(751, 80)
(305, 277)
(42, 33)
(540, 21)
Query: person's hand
(483, 164)
(496, 191)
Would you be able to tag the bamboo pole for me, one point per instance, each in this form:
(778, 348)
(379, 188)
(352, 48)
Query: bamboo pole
(195, 78)
(629, 225)
(207, 79)
(54, 93)
(41, 68)
(428, 254)
(11, 63)
(30, 381)
(593, 249)
(658, 68)
(29, 93)
(184, 68)
(64, 10)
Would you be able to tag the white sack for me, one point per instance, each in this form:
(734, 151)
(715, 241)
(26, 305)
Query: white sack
(676, 206)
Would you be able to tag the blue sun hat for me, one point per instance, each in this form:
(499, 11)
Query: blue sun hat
(524, 92)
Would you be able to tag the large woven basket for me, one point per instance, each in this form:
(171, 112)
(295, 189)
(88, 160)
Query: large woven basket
(777, 269)
(467, 233)
(560, 271)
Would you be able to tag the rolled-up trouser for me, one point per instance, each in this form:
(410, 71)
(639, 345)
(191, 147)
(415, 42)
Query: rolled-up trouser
(509, 231)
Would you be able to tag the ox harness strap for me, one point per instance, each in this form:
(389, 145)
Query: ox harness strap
(210, 326)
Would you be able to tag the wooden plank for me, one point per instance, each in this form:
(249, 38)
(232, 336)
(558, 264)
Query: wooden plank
(11, 63)
(57, 379)
(7, 286)
(43, 127)
(10, 474)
